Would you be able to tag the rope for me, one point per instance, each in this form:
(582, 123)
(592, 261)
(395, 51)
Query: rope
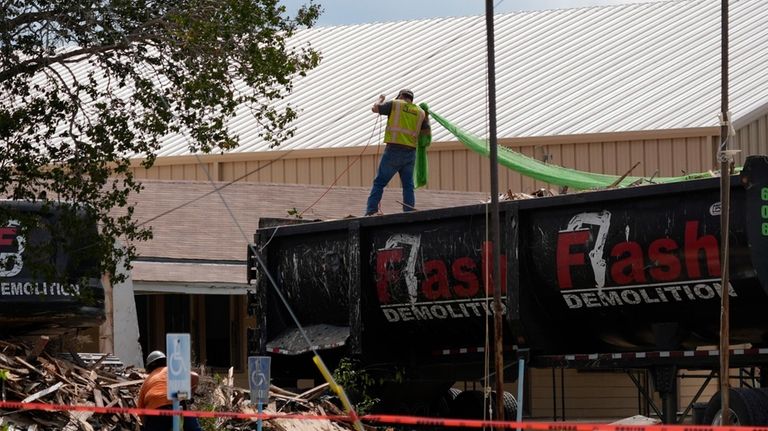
(191, 201)
(349, 165)
(378, 158)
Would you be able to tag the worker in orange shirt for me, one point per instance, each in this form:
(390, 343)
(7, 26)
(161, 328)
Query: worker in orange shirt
(154, 395)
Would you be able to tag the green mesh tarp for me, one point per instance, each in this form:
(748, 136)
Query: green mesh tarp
(421, 169)
(551, 174)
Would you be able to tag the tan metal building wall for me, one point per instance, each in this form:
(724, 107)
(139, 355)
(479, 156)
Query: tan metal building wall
(588, 395)
(752, 138)
(600, 395)
(453, 167)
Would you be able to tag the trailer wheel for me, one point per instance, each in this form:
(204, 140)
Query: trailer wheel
(471, 405)
(510, 406)
(452, 394)
(441, 408)
(760, 402)
(468, 405)
(747, 407)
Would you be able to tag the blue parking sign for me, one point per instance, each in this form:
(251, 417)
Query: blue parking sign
(179, 377)
(258, 378)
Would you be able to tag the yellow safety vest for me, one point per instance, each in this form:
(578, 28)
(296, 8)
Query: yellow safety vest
(404, 123)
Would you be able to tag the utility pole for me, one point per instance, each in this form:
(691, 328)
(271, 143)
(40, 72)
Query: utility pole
(724, 156)
(494, 228)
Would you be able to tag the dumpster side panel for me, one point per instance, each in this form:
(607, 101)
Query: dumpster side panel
(50, 281)
(425, 284)
(609, 271)
(641, 272)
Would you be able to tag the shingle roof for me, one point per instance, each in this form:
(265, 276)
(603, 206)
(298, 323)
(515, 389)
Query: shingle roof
(203, 229)
(645, 66)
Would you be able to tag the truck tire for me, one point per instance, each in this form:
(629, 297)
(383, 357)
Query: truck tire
(748, 407)
(468, 405)
(510, 406)
(442, 407)
(471, 405)
(760, 405)
(452, 394)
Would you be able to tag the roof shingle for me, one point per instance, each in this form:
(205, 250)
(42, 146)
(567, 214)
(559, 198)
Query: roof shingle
(204, 230)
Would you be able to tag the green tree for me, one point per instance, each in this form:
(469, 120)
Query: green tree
(89, 84)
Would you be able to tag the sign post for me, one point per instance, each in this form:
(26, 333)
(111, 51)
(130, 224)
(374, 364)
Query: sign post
(179, 376)
(258, 381)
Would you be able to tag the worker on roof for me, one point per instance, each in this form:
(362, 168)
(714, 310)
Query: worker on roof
(405, 123)
(154, 395)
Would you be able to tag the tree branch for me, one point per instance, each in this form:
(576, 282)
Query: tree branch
(35, 64)
(32, 17)
(72, 96)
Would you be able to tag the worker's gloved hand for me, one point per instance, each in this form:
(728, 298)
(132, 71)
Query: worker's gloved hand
(382, 98)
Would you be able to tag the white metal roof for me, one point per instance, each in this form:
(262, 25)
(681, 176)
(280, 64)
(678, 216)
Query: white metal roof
(645, 66)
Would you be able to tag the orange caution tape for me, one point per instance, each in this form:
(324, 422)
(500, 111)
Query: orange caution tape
(380, 419)
(545, 426)
(158, 412)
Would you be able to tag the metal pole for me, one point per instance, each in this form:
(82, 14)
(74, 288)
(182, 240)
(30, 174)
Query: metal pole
(554, 397)
(176, 418)
(562, 393)
(725, 196)
(520, 386)
(494, 228)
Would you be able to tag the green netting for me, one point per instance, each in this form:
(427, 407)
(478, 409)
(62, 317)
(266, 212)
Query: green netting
(549, 173)
(421, 170)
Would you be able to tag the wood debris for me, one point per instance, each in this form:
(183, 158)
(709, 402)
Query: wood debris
(29, 373)
(33, 375)
(509, 195)
(223, 397)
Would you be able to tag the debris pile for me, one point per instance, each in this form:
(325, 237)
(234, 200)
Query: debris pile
(29, 374)
(222, 396)
(509, 195)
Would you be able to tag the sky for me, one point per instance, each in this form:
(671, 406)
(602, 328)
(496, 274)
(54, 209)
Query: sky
(344, 12)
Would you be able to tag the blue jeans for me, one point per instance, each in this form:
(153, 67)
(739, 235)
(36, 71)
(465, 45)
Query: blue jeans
(399, 160)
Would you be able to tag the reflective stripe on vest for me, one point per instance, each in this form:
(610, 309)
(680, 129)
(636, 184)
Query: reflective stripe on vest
(404, 124)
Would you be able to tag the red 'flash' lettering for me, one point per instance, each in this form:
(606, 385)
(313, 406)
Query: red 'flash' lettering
(7, 235)
(436, 284)
(463, 270)
(385, 260)
(631, 264)
(694, 245)
(566, 259)
(667, 264)
(442, 280)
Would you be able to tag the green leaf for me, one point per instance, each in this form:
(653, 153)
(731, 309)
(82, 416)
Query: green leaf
(147, 69)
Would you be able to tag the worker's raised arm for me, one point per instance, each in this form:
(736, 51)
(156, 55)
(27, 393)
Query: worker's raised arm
(375, 107)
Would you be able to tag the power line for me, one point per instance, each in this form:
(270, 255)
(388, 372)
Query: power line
(216, 189)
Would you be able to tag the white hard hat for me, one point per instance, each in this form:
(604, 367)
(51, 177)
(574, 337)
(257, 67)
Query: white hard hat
(154, 357)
